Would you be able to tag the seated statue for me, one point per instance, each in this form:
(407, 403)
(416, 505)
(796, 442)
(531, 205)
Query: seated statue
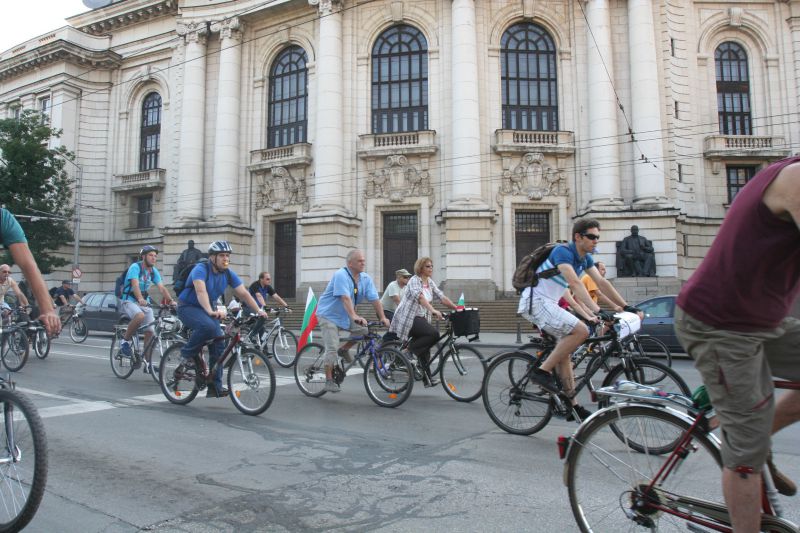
(635, 256)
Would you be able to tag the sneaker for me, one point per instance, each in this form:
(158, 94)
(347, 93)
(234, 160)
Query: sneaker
(125, 348)
(213, 392)
(346, 355)
(331, 386)
(783, 484)
(582, 412)
(545, 380)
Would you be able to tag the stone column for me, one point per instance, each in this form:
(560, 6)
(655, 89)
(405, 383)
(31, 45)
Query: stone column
(649, 184)
(465, 130)
(328, 138)
(603, 153)
(225, 181)
(193, 114)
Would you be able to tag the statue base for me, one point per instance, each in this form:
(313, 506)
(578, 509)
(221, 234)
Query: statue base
(635, 290)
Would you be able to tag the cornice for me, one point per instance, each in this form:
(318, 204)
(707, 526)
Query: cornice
(122, 14)
(58, 51)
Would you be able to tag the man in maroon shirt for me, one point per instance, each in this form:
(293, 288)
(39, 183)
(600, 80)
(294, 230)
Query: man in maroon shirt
(731, 318)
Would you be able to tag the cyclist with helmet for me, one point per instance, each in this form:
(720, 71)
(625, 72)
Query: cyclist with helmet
(205, 284)
(136, 300)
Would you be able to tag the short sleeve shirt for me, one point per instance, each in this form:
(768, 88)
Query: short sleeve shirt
(216, 283)
(591, 286)
(257, 288)
(392, 289)
(341, 284)
(66, 293)
(553, 288)
(146, 279)
(10, 230)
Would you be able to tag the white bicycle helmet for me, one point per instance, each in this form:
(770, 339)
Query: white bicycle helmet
(218, 247)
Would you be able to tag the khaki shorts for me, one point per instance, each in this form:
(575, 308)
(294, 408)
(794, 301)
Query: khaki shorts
(737, 369)
(330, 337)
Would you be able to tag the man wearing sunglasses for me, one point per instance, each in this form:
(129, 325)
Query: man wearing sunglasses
(539, 304)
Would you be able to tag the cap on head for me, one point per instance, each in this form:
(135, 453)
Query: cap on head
(66, 282)
(402, 272)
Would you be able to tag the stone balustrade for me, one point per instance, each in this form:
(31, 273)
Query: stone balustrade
(547, 142)
(405, 143)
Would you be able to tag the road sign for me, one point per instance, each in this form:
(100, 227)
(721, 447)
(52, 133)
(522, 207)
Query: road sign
(76, 272)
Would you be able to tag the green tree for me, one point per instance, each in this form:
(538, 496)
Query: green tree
(34, 184)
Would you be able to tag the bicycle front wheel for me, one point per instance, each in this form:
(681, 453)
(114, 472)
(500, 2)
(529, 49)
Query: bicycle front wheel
(177, 381)
(652, 348)
(514, 403)
(608, 481)
(462, 372)
(388, 377)
(309, 370)
(78, 330)
(41, 343)
(15, 350)
(284, 347)
(121, 365)
(23, 461)
(251, 382)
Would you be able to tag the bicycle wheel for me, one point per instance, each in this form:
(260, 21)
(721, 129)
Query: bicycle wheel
(284, 347)
(178, 385)
(251, 382)
(23, 461)
(607, 481)
(41, 344)
(462, 372)
(309, 370)
(388, 377)
(159, 347)
(514, 403)
(121, 365)
(15, 350)
(652, 348)
(78, 330)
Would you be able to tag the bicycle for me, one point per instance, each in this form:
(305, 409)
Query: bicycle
(35, 331)
(388, 374)
(78, 331)
(23, 458)
(668, 481)
(517, 405)
(14, 347)
(166, 331)
(461, 368)
(251, 379)
(283, 341)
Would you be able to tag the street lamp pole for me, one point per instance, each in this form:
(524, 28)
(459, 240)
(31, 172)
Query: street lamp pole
(77, 217)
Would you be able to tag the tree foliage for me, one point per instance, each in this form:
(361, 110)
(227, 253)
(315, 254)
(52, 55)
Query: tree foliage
(35, 186)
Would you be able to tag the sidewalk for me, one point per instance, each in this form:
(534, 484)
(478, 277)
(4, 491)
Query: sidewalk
(490, 343)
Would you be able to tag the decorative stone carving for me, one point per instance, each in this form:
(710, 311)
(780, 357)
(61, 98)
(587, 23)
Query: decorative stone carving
(326, 7)
(193, 31)
(532, 177)
(398, 179)
(280, 189)
(231, 28)
(635, 256)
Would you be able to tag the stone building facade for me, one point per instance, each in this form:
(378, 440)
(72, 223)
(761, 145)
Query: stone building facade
(464, 130)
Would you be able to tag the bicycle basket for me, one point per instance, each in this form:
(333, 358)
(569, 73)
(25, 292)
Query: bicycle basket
(466, 322)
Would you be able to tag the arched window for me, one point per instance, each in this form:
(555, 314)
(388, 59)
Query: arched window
(733, 89)
(400, 81)
(529, 79)
(288, 98)
(150, 143)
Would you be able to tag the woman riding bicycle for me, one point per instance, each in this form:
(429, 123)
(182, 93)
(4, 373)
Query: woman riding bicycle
(412, 319)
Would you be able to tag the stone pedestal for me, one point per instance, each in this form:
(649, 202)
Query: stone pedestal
(635, 290)
(467, 254)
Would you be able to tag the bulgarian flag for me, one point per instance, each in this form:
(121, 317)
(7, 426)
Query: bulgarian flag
(309, 320)
(460, 304)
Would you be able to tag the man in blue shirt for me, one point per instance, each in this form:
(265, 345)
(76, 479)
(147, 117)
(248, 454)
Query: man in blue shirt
(337, 310)
(136, 300)
(206, 283)
(572, 261)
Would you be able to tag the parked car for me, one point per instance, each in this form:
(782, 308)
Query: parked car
(102, 311)
(659, 320)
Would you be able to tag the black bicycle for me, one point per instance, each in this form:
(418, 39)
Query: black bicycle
(518, 405)
(23, 458)
(14, 345)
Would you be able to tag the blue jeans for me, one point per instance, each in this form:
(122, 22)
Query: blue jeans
(204, 328)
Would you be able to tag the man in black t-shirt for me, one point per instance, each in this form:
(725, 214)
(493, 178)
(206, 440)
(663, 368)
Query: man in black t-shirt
(261, 290)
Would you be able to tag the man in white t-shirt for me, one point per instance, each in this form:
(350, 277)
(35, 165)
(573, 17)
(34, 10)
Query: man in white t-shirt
(394, 292)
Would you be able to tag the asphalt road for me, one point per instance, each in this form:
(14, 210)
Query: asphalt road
(123, 459)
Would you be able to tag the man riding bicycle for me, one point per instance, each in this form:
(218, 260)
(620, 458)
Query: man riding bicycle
(337, 310)
(63, 295)
(205, 284)
(7, 283)
(136, 300)
(731, 316)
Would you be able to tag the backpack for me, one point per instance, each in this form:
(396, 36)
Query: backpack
(525, 275)
(179, 281)
(119, 283)
(52, 292)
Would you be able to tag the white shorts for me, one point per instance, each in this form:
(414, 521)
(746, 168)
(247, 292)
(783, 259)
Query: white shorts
(550, 317)
(131, 309)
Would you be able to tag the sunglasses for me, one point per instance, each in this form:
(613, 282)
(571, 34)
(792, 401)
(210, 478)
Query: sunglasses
(590, 236)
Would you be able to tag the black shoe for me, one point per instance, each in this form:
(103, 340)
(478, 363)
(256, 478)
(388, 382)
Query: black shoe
(582, 412)
(429, 381)
(545, 380)
(212, 392)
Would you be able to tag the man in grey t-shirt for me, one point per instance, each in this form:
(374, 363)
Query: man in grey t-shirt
(394, 292)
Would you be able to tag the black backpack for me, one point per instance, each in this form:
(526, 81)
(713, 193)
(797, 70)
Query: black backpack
(119, 283)
(52, 292)
(179, 281)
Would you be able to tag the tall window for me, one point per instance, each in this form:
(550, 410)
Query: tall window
(733, 89)
(44, 108)
(288, 98)
(400, 81)
(529, 79)
(150, 133)
(738, 178)
(144, 212)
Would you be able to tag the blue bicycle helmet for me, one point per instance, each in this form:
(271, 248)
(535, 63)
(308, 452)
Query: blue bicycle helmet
(219, 247)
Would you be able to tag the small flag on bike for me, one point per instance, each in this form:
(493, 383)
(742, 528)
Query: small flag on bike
(460, 304)
(309, 320)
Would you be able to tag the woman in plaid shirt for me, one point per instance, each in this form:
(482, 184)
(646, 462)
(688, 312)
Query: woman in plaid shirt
(413, 316)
